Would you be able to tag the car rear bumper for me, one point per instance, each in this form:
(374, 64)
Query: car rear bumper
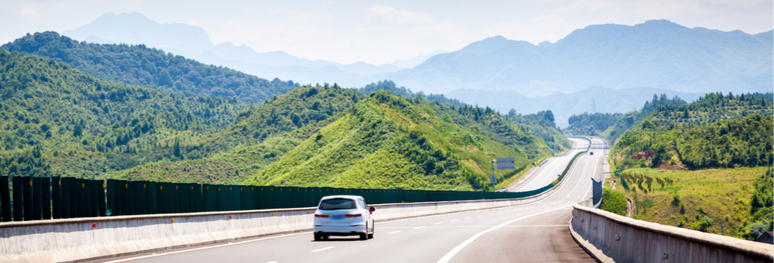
(341, 230)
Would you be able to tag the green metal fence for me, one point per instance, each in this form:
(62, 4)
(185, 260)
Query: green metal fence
(36, 198)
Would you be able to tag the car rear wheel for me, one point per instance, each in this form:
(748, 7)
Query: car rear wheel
(373, 229)
(317, 237)
(363, 237)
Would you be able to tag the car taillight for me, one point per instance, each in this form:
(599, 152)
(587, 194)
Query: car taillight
(353, 215)
(319, 215)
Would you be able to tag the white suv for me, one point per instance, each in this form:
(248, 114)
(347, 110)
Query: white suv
(343, 215)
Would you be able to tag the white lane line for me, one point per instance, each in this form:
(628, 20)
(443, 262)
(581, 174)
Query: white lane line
(467, 217)
(455, 220)
(459, 247)
(203, 248)
(393, 232)
(325, 248)
(419, 227)
(438, 223)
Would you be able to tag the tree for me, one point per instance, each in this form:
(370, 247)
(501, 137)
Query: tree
(78, 130)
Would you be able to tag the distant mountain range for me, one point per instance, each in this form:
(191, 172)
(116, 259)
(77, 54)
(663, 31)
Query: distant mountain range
(618, 66)
(564, 105)
(193, 42)
(655, 54)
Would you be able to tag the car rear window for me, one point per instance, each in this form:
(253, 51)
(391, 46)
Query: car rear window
(337, 204)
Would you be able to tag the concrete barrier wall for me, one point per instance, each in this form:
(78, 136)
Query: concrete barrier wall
(614, 238)
(68, 240)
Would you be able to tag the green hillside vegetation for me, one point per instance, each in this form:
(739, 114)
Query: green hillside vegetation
(714, 200)
(761, 207)
(726, 144)
(387, 141)
(611, 126)
(726, 140)
(149, 67)
(715, 131)
(83, 126)
(262, 134)
(542, 125)
(591, 124)
(712, 108)
(282, 135)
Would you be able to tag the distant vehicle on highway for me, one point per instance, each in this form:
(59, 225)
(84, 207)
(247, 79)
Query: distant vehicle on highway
(591, 153)
(343, 215)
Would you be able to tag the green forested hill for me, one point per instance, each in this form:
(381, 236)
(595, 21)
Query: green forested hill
(744, 141)
(86, 127)
(539, 125)
(387, 141)
(148, 67)
(591, 124)
(542, 125)
(262, 134)
(610, 126)
(716, 131)
(268, 132)
(726, 140)
(713, 107)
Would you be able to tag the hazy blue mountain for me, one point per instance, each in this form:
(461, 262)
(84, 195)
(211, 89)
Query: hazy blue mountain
(135, 28)
(563, 105)
(656, 54)
(415, 61)
(193, 42)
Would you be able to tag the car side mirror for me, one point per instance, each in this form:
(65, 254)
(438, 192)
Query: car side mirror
(371, 210)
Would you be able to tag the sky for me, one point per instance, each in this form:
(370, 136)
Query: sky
(380, 32)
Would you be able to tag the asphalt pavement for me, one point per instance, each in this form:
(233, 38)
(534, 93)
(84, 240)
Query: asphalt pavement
(536, 232)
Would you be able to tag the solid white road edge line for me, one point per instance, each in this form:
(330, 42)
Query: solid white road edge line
(459, 247)
(393, 232)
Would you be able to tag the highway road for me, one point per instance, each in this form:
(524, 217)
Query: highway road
(536, 232)
(549, 171)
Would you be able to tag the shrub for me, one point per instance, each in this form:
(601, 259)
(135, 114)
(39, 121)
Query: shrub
(675, 199)
(613, 201)
(703, 224)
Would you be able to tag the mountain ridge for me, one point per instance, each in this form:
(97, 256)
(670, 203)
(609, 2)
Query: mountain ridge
(656, 54)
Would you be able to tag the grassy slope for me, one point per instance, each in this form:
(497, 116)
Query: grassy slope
(716, 131)
(255, 152)
(720, 194)
(261, 136)
(387, 142)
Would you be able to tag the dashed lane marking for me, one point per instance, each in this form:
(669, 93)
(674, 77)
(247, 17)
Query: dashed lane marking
(325, 248)
(393, 232)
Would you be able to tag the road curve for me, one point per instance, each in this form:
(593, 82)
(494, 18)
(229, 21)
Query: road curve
(549, 171)
(535, 232)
